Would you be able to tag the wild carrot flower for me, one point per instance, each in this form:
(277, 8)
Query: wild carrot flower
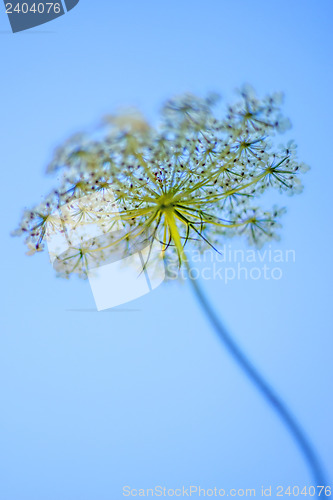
(192, 180)
(195, 178)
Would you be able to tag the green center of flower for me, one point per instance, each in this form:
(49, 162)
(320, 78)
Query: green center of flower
(166, 202)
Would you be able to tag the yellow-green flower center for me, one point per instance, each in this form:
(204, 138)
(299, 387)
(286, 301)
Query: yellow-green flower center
(165, 202)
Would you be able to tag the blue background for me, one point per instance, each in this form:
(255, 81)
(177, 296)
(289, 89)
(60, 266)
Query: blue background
(144, 394)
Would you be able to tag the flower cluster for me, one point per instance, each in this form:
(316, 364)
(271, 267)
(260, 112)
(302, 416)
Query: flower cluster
(193, 179)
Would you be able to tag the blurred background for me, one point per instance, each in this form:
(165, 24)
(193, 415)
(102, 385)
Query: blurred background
(144, 394)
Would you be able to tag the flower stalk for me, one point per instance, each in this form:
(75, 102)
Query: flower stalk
(260, 383)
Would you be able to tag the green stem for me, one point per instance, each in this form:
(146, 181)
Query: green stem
(279, 407)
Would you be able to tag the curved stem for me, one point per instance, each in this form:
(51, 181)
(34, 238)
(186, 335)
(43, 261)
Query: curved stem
(274, 400)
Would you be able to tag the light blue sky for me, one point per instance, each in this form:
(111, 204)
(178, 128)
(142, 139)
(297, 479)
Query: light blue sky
(144, 395)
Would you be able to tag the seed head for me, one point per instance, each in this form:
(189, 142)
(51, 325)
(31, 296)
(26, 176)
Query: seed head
(194, 179)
